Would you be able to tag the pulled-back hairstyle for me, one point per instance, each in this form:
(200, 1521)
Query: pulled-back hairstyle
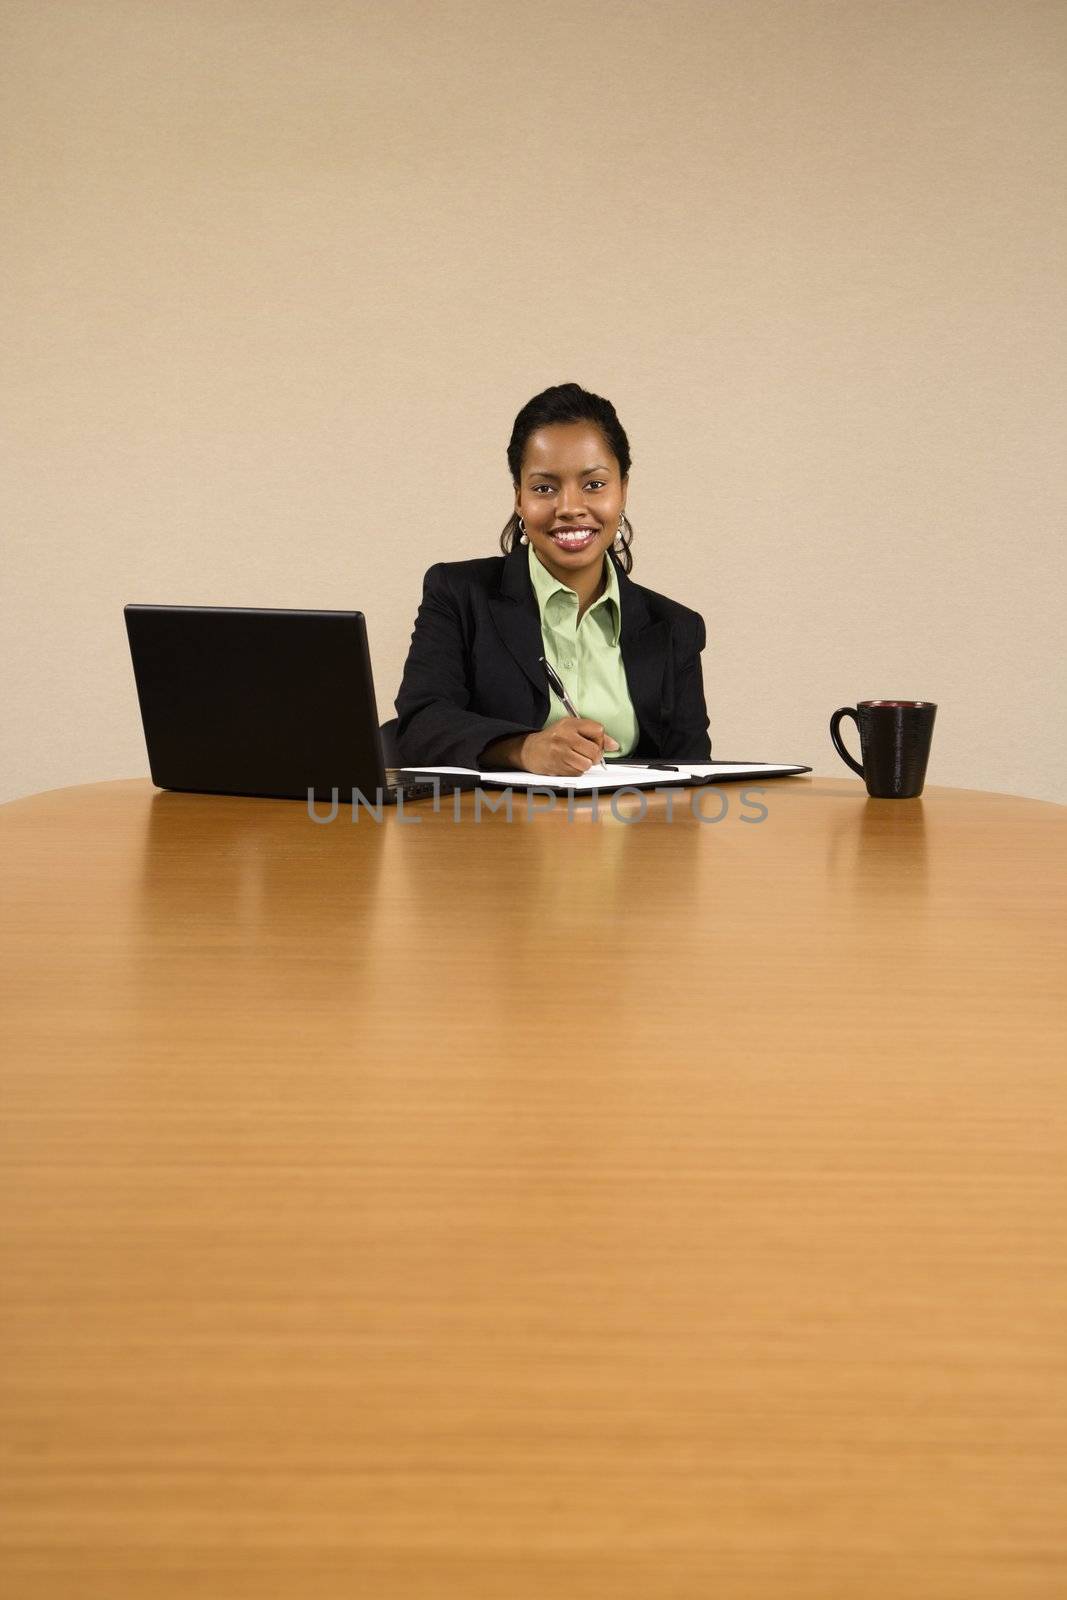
(569, 402)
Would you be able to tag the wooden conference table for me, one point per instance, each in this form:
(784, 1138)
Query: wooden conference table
(619, 1210)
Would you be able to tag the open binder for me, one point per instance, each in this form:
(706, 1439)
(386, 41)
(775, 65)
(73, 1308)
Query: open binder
(614, 775)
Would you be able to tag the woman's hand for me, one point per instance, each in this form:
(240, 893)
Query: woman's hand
(566, 749)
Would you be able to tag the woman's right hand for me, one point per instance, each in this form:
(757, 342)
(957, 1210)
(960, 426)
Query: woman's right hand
(566, 749)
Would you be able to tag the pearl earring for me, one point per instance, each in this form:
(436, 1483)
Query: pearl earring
(522, 532)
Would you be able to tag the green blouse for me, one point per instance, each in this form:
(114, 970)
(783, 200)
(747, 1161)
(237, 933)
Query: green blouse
(586, 654)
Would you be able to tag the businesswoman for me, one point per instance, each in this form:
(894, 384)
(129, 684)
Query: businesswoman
(474, 691)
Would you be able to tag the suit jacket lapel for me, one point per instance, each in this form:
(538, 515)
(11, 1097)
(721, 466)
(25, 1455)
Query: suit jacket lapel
(643, 642)
(518, 621)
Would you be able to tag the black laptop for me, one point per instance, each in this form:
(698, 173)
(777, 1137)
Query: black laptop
(236, 700)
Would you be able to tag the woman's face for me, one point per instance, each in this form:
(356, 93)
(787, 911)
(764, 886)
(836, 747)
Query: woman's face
(570, 497)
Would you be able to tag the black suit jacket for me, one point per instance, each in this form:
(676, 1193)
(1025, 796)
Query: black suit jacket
(473, 675)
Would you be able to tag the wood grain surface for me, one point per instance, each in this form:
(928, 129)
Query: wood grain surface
(640, 1208)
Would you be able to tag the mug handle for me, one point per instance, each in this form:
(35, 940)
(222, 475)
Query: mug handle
(835, 724)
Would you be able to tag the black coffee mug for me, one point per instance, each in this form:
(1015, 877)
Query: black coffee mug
(894, 742)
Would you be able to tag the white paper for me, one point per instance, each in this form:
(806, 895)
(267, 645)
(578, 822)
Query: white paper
(616, 774)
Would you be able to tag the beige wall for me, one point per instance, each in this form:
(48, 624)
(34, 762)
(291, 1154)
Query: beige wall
(278, 275)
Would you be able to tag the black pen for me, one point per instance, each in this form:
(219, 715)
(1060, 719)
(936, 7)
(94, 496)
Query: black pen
(557, 683)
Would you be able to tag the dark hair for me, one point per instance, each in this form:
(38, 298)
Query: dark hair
(569, 402)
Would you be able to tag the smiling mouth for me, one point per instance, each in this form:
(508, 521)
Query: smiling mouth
(578, 540)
